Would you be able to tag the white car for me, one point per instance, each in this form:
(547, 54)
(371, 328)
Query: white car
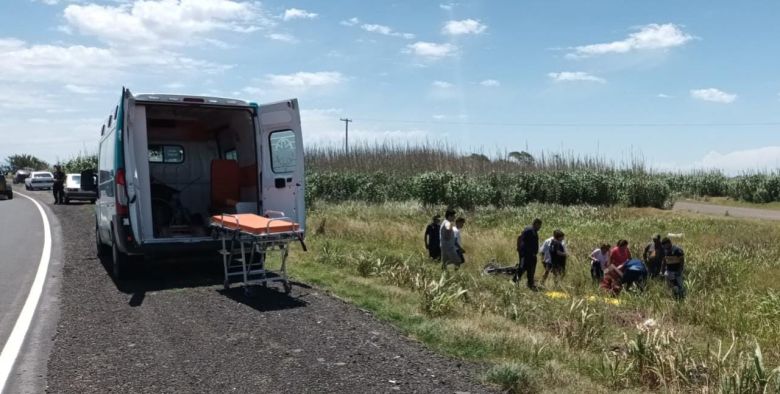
(39, 180)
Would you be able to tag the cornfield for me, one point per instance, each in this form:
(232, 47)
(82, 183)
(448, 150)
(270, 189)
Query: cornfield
(437, 174)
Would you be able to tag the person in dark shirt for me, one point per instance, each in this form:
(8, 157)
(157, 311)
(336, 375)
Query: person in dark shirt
(59, 185)
(527, 248)
(654, 256)
(673, 266)
(558, 256)
(431, 238)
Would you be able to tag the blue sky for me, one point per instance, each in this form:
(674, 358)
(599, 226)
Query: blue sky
(681, 84)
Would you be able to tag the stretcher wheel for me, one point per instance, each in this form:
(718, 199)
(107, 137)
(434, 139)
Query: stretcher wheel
(287, 288)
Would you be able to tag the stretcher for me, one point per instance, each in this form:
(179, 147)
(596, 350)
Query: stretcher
(248, 239)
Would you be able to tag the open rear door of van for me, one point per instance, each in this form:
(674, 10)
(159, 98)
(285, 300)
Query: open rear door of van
(280, 151)
(135, 161)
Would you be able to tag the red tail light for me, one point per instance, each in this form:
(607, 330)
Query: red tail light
(121, 193)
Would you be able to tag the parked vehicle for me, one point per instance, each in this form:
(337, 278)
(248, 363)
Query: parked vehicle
(39, 180)
(81, 187)
(21, 175)
(167, 163)
(6, 189)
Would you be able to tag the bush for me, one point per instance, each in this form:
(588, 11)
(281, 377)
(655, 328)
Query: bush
(513, 378)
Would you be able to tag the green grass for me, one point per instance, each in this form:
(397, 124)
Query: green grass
(372, 256)
(730, 202)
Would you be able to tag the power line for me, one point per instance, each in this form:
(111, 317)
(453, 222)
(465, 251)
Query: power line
(578, 124)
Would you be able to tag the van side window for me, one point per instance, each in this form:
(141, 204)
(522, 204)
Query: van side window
(283, 151)
(231, 155)
(167, 154)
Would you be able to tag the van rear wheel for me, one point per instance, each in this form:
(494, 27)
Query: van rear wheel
(118, 261)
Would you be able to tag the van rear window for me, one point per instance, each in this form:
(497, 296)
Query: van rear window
(168, 154)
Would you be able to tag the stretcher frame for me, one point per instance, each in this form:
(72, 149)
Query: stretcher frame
(244, 253)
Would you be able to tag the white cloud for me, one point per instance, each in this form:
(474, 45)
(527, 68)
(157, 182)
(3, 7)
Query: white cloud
(466, 26)
(447, 7)
(296, 13)
(490, 83)
(652, 36)
(283, 37)
(439, 117)
(571, 76)
(385, 30)
(663, 95)
(764, 158)
(324, 128)
(713, 95)
(350, 22)
(84, 65)
(146, 24)
(432, 50)
(303, 80)
(442, 84)
(80, 89)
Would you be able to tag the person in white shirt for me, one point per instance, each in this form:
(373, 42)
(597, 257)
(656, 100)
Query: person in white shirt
(544, 251)
(449, 250)
(459, 223)
(599, 259)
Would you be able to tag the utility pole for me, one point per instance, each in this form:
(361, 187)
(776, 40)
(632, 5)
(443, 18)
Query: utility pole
(346, 133)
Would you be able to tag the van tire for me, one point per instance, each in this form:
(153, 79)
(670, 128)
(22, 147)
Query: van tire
(102, 249)
(10, 196)
(118, 261)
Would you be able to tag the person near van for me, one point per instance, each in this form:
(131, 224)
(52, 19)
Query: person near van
(599, 259)
(59, 186)
(673, 265)
(527, 248)
(431, 238)
(449, 254)
(558, 256)
(634, 273)
(654, 256)
(459, 223)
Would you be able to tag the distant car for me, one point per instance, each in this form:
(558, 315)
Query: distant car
(21, 175)
(5, 188)
(39, 180)
(79, 187)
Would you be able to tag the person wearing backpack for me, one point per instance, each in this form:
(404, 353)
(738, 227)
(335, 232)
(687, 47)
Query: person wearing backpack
(672, 268)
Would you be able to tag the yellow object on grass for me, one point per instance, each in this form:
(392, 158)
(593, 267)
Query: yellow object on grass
(556, 295)
(608, 300)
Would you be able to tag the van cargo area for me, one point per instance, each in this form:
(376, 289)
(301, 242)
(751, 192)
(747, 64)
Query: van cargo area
(202, 161)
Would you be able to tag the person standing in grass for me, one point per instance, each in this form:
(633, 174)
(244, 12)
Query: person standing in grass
(431, 238)
(459, 223)
(654, 256)
(558, 256)
(449, 251)
(598, 262)
(527, 248)
(673, 265)
(544, 251)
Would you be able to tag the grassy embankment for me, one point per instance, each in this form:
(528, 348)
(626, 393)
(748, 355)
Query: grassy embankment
(372, 255)
(730, 202)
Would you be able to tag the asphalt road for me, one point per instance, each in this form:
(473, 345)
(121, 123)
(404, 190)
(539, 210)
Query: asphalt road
(171, 328)
(21, 250)
(720, 210)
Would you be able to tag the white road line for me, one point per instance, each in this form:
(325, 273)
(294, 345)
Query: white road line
(16, 339)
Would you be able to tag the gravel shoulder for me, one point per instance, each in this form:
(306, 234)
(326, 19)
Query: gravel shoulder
(722, 210)
(171, 328)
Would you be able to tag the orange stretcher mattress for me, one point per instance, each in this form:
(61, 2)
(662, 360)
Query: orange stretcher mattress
(254, 224)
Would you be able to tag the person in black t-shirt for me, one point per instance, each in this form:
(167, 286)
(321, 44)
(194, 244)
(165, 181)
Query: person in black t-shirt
(673, 266)
(431, 238)
(558, 256)
(527, 248)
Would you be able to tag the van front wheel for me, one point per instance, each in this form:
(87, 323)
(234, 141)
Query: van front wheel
(118, 261)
